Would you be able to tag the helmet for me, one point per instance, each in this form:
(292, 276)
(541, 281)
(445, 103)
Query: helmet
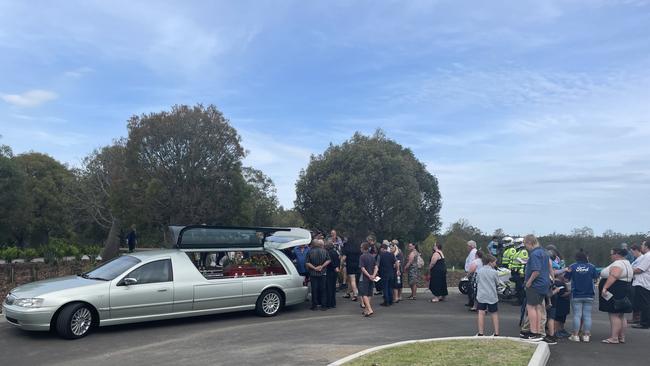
(507, 241)
(519, 242)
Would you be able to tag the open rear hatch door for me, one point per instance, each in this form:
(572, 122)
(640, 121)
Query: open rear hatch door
(207, 238)
(288, 239)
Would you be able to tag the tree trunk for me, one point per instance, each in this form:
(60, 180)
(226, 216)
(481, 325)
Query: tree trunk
(112, 243)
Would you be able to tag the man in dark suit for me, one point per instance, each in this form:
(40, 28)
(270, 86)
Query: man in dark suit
(331, 275)
(387, 273)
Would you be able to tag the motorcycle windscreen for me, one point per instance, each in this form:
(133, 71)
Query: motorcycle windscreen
(199, 237)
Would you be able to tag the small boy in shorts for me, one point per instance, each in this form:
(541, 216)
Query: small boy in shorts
(560, 308)
(487, 281)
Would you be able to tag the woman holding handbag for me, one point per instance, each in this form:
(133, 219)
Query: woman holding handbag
(614, 287)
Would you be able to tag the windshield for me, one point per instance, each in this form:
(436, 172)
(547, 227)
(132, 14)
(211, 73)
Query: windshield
(111, 269)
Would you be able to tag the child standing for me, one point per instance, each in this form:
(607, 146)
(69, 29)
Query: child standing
(562, 303)
(487, 281)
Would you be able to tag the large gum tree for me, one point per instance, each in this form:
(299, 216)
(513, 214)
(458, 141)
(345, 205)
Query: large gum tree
(369, 184)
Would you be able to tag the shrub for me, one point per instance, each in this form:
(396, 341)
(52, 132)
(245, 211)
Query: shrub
(30, 253)
(93, 251)
(71, 250)
(11, 253)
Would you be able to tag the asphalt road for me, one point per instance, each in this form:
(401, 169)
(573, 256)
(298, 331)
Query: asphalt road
(296, 336)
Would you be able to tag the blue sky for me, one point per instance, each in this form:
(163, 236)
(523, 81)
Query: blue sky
(534, 115)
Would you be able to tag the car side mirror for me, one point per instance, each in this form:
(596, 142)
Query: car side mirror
(130, 281)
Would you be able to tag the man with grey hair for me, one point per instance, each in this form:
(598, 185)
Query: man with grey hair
(471, 248)
(317, 261)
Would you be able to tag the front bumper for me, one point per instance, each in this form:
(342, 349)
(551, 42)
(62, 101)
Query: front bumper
(28, 319)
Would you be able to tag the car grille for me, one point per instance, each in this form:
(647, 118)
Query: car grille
(10, 299)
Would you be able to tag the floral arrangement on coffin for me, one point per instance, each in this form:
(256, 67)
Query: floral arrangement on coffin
(259, 261)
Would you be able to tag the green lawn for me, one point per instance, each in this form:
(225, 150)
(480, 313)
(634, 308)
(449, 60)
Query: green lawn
(452, 353)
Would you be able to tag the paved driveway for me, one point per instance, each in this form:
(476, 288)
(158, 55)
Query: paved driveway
(296, 336)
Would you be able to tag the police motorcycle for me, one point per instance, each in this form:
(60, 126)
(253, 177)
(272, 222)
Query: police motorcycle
(464, 283)
(505, 288)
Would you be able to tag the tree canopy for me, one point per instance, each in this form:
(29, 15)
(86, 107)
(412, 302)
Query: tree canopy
(369, 184)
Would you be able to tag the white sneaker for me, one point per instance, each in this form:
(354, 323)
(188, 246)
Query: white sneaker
(586, 338)
(574, 338)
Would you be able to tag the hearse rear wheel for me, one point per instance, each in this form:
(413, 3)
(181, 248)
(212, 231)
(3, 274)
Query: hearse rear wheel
(269, 303)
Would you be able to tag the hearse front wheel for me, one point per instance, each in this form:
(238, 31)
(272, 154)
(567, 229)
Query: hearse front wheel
(74, 321)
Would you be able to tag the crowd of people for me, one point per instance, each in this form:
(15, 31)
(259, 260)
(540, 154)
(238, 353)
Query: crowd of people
(547, 289)
(366, 269)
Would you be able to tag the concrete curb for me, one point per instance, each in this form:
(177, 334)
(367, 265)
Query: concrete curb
(540, 356)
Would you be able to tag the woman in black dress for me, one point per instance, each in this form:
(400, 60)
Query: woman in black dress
(438, 274)
(614, 287)
(351, 254)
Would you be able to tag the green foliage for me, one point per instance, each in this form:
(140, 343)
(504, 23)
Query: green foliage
(426, 247)
(287, 218)
(262, 202)
(92, 251)
(10, 253)
(14, 215)
(72, 251)
(369, 184)
(46, 181)
(29, 254)
(455, 242)
(185, 165)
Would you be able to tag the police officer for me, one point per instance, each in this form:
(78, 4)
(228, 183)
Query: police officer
(508, 252)
(517, 265)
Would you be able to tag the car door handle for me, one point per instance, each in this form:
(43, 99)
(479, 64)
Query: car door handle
(162, 290)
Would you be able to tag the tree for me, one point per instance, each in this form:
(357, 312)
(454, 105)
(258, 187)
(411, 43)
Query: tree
(583, 232)
(101, 193)
(287, 218)
(499, 233)
(46, 181)
(262, 200)
(456, 238)
(13, 197)
(369, 184)
(187, 164)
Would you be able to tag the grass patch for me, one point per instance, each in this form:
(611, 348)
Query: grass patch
(452, 353)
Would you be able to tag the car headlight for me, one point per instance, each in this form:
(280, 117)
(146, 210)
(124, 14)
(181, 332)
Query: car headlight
(29, 302)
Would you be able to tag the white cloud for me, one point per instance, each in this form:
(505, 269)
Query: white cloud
(79, 72)
(30, 98)
(279, 158)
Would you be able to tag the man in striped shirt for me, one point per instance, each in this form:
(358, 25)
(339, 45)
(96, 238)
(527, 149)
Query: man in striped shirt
(317, 262)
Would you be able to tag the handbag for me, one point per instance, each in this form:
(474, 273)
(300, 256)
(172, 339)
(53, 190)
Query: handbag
(624, 305)
(420, 262)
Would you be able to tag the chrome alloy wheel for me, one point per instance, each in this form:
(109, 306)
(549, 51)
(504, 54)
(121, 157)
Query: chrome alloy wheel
(271, 303)
(81, 321)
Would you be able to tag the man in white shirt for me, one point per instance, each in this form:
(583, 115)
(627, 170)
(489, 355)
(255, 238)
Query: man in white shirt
(471, 248)
(641, 285)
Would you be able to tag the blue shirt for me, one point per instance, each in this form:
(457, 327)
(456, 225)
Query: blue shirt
(538, 262)
(493, 247)
(301, 259)
(582, 278)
